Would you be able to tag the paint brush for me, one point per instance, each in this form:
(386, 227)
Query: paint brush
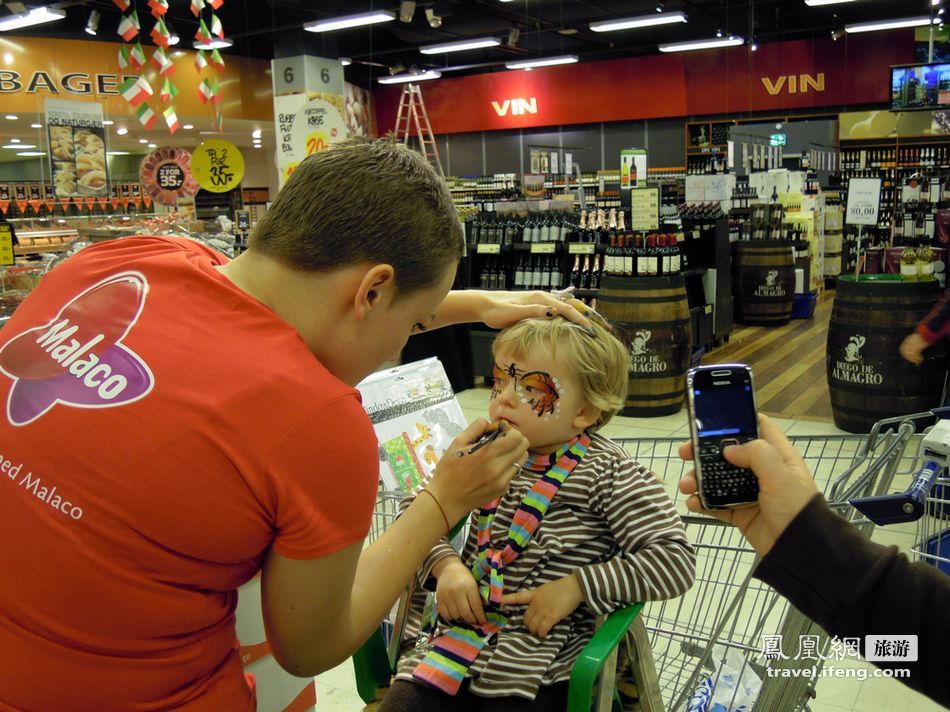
(485, 439)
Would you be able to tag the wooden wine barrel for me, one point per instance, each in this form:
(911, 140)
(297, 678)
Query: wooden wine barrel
(650, 315)
(867, 377)
(764, 282)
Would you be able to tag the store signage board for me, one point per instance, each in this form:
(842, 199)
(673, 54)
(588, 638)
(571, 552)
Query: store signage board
(6, 244)
(695, 189)
(864, 198)
(77, 148)
(633, 167)
(304, 73)
(778, 139)
(645, 209)
(218, 166)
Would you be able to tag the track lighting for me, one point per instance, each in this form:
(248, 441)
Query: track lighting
(92, 24)
(407, 9)
(435, 22)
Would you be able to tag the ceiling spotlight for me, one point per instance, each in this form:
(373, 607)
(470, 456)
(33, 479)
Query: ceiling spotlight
(753, 46)
(92, 24)
(173, 37)
(256, 133)
(406, 10)
(397, 68)
(188, 127)
(659, 6)
(11, 117)
(143, 140)
(435, 22)
(346, 61)
(935, 2)
(153, 145)
(122, 131)
(39, 126)
(513, 34)
(718, 33)
(14, 140)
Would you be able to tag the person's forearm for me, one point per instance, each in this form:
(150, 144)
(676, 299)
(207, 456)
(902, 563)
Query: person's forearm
(388, 564)
(460, 306)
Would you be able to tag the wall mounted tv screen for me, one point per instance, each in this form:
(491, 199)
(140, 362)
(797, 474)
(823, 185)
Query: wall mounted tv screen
(920, 86)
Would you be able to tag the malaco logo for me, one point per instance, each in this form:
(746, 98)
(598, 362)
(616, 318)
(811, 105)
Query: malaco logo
(78, 358)
(852, 368)
(642, 359)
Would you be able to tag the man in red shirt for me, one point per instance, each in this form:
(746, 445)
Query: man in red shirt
(175, 423)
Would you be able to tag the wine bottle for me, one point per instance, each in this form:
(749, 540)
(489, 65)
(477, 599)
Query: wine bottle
(597, 269)
(585, 273)
(575, 277)
(909, 271)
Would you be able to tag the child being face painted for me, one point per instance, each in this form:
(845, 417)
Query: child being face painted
(553, 381)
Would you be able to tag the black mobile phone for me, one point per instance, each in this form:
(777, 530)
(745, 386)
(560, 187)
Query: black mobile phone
(721, 404)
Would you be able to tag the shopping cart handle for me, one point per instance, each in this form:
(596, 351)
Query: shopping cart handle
(901, 507)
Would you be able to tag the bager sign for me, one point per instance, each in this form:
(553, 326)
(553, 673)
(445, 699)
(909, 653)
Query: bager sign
(75, 83)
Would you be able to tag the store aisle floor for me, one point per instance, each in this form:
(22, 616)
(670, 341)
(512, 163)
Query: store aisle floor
(336, 689)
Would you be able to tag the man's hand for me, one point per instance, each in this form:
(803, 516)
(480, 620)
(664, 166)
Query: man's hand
(785, 486)
(547, 605)
(912, 348)
(456, 593)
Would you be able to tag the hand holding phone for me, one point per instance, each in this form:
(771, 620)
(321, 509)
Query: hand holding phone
(721, 404)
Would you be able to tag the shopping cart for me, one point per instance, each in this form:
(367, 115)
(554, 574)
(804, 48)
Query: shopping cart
(708, 644)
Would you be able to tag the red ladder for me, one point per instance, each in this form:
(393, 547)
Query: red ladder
(412, 113)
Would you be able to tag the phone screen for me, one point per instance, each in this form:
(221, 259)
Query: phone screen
(724, 410)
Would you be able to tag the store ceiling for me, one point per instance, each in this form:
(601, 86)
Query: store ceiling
(273, 28)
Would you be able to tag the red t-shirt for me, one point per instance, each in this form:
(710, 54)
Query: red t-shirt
(161, 431)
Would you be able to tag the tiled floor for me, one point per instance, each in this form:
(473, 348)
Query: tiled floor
(336, 690)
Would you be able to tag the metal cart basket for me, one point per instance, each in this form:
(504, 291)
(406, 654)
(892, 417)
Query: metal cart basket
(710, 643)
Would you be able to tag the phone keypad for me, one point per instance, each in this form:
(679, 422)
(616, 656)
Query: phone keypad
(723, 481)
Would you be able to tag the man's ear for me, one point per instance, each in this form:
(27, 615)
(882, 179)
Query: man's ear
(586, 416)
(376, 289)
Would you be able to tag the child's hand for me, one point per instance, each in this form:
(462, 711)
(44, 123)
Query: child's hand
(548, 604)
(456, 593)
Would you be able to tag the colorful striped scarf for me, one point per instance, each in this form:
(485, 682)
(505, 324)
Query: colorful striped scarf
(452, 654)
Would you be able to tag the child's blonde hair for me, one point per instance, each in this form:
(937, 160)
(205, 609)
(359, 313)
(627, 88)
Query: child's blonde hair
(599, 362)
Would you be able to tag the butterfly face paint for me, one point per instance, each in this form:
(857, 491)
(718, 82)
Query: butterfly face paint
(537, 389)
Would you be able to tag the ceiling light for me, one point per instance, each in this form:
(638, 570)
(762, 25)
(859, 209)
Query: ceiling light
(257, 145)
(92, 24)
(173, 37)
(256, 133)
(36, 16)
(718, 33)
(435, 22)
(403, 78)
(213, 43)
(547, 62)
(188, 127)
(513, 34)
(122, 131)
(347, 21)
(397, 68)
(729, 41)
(631, 23)
(346, 61)
(461, 45)
(11, 117)
(659, 6)
(153, 145)
(753, 47)
(406, 10)
(14, 140)
(889, 24)
(143, 140)
(117, 153)
(31, 153)
(818, 3)
(107, 122)
(19, 146)
(36, 126)
(934, 2)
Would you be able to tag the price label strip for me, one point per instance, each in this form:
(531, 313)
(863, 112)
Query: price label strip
(6, 244)
(488, 249)
(543, 248)
(582, 248)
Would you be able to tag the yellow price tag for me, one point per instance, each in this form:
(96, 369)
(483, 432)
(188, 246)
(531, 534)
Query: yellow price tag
(6, 245)
(218, 166)
(542, 248)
